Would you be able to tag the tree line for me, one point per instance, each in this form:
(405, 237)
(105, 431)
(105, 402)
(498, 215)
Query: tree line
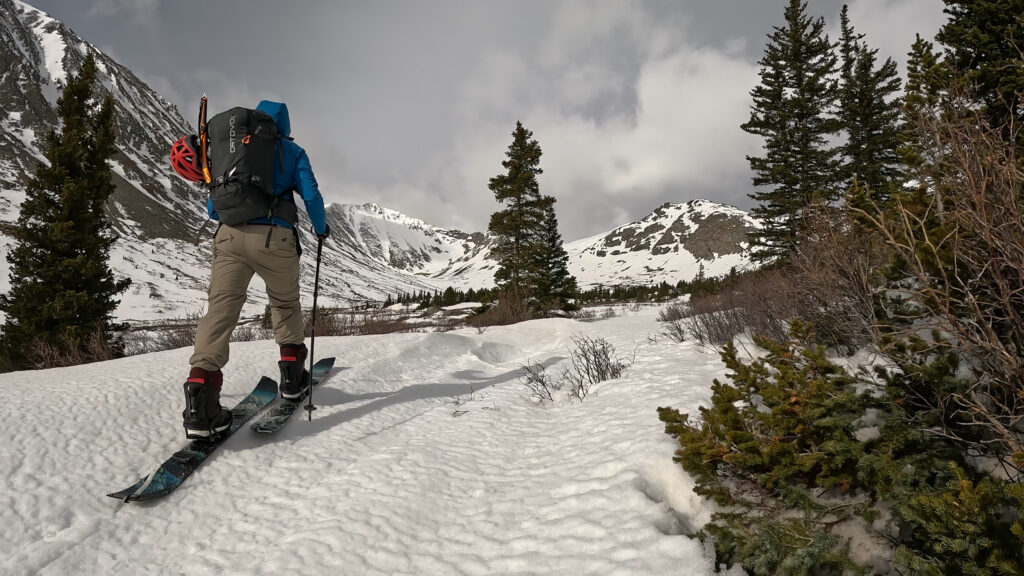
(893, 222)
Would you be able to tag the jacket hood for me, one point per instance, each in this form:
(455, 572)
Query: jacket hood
(279, 112)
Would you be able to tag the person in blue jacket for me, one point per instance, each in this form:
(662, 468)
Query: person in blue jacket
(267, 247)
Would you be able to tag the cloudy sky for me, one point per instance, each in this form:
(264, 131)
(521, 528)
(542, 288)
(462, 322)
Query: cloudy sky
(411, 103)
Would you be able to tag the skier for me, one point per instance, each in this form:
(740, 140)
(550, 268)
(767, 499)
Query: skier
(265, 246)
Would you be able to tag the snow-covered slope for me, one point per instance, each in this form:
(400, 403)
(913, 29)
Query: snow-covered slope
(672, 243)
(675, 242)
(425, 456)
(408, 247)
(155, 214)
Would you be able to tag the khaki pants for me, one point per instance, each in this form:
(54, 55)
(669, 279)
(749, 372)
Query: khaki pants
(238, 253)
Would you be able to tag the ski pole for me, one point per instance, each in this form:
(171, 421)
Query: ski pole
(312, 335)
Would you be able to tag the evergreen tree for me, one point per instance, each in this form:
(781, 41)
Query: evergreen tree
(869, 109)
(450, 297)
(62, 290)
(267, 322)
(516, 228)
(984, 41)
(793, 111)
(555, 283)
(922, 100)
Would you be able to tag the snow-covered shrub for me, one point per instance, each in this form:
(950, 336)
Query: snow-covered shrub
(510, 309)
(672, 312)
(675, 330)
(584, 314)
(759, 303)
(780, 450)
(591, 360)
(713, 321)
(672, 317)
(541, 384)
(250, 332)
(774, 439)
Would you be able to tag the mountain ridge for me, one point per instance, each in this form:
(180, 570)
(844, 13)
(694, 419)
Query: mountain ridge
(373, 251)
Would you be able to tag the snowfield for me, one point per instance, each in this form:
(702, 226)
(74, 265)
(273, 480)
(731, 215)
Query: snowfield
(426, 456)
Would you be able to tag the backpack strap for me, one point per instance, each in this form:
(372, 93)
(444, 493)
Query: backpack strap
(286, 211)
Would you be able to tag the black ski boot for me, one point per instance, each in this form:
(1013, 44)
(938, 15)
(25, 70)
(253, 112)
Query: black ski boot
(294, 376)
(204, 417)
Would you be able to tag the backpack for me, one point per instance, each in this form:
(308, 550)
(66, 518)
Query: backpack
(242, 145)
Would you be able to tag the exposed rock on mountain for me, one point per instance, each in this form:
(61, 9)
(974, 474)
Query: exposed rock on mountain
(372, 252)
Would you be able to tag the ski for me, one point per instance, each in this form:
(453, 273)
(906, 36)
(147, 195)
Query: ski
(169, 476)
(278, 416)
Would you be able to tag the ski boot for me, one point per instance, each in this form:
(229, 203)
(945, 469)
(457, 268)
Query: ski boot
(204, 417)
(294, 376)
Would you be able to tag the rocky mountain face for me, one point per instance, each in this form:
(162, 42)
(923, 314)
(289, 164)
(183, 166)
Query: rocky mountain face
(161, 219)
(674, 242)
(164, 235)
(36, 54)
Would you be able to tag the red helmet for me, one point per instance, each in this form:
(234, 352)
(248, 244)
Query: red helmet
(185, 158)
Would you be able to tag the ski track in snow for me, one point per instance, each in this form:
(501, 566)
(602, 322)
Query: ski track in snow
(425, 456)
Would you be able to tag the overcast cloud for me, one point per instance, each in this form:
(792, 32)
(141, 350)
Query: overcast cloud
(411, 104)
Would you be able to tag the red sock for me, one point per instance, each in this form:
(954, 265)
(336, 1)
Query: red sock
(214, 379)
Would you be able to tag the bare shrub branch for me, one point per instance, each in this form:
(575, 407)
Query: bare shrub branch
(836, 272)
(72, 352)
(591, 360)
(761, 303)
(961, 237)
(511, 308)
(541, 385)
(673, 319)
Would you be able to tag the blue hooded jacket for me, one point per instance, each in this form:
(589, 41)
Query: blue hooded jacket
(292, 170)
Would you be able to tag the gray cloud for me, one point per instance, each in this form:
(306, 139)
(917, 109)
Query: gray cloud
(411, 104)
(139, 12)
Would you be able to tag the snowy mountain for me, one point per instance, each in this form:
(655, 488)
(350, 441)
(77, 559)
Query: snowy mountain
(164, 236)
(426, 456)
(672, 243)
(156, 214)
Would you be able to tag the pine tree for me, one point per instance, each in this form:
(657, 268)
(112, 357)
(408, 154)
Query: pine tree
(984, 41)
(267, 322)
(555, 284)
(62, 290)
(516, 227)
(922, 100)
(793, 111)
(869, 109)
(450, 297)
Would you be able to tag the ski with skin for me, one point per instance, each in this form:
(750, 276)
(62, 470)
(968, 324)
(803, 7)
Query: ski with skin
(278, 416)
(170, 475)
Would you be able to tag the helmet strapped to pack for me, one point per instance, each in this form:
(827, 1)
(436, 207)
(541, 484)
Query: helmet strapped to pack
(242, 144)
(185, 159)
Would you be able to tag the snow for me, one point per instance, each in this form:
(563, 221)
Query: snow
(463, 306)
(425, 456)
(594, 263)
(53, 46)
